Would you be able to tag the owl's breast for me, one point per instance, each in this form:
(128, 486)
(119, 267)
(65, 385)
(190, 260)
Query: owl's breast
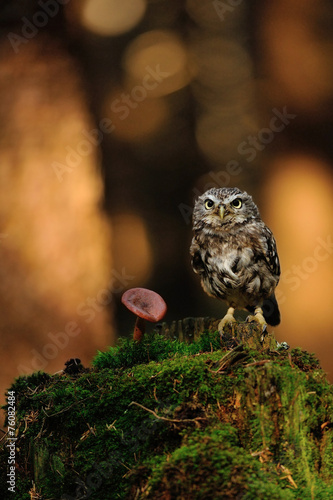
(231, 269)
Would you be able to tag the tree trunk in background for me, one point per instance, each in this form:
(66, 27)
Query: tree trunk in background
(56, 281)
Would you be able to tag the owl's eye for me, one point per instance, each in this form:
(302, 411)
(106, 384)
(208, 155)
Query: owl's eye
(209, 204)
(237, 203)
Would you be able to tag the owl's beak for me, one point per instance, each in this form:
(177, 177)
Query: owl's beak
(221, 211)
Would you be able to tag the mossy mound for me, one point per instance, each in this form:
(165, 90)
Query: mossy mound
(170, 420)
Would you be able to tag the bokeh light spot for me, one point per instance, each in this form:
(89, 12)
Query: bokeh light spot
(161, 52)
(299, 208)
(112, 17)
(299, 62)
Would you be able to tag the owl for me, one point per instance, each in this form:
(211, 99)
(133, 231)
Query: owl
(235, 255)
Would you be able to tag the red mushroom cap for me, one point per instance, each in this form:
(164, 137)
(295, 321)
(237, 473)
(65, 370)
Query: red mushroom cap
(145, 303)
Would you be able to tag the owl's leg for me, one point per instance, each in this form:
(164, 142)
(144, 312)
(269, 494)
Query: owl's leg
(227, 319)
(258, 317)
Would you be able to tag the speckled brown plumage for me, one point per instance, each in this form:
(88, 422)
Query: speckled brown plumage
(235, 255)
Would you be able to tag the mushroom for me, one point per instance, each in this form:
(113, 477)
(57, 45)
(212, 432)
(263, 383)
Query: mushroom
(147, 305)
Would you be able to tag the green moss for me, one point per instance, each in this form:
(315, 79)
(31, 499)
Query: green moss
(214, 465)
(166, 419)
(153, 348)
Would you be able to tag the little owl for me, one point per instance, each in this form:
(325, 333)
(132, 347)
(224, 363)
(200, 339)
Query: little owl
(235, 255)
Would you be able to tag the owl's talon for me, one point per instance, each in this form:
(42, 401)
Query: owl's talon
(258, 318)
(228, 319)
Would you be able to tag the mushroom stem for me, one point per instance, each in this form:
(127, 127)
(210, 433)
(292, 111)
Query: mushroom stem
(139, 329)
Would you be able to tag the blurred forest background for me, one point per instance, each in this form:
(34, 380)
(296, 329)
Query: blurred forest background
(114, 116)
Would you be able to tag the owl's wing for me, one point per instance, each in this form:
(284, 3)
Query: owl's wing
(270, 252)
(196, 259)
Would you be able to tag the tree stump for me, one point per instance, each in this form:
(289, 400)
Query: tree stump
(220, 418)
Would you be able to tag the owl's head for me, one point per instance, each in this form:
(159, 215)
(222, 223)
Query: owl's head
(220, 208)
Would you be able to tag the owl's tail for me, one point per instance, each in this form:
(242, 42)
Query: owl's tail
(270, 310)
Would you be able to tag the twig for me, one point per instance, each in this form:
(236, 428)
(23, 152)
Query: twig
(258, 363)
(230, 358)
(70, 406)
(174, 420)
